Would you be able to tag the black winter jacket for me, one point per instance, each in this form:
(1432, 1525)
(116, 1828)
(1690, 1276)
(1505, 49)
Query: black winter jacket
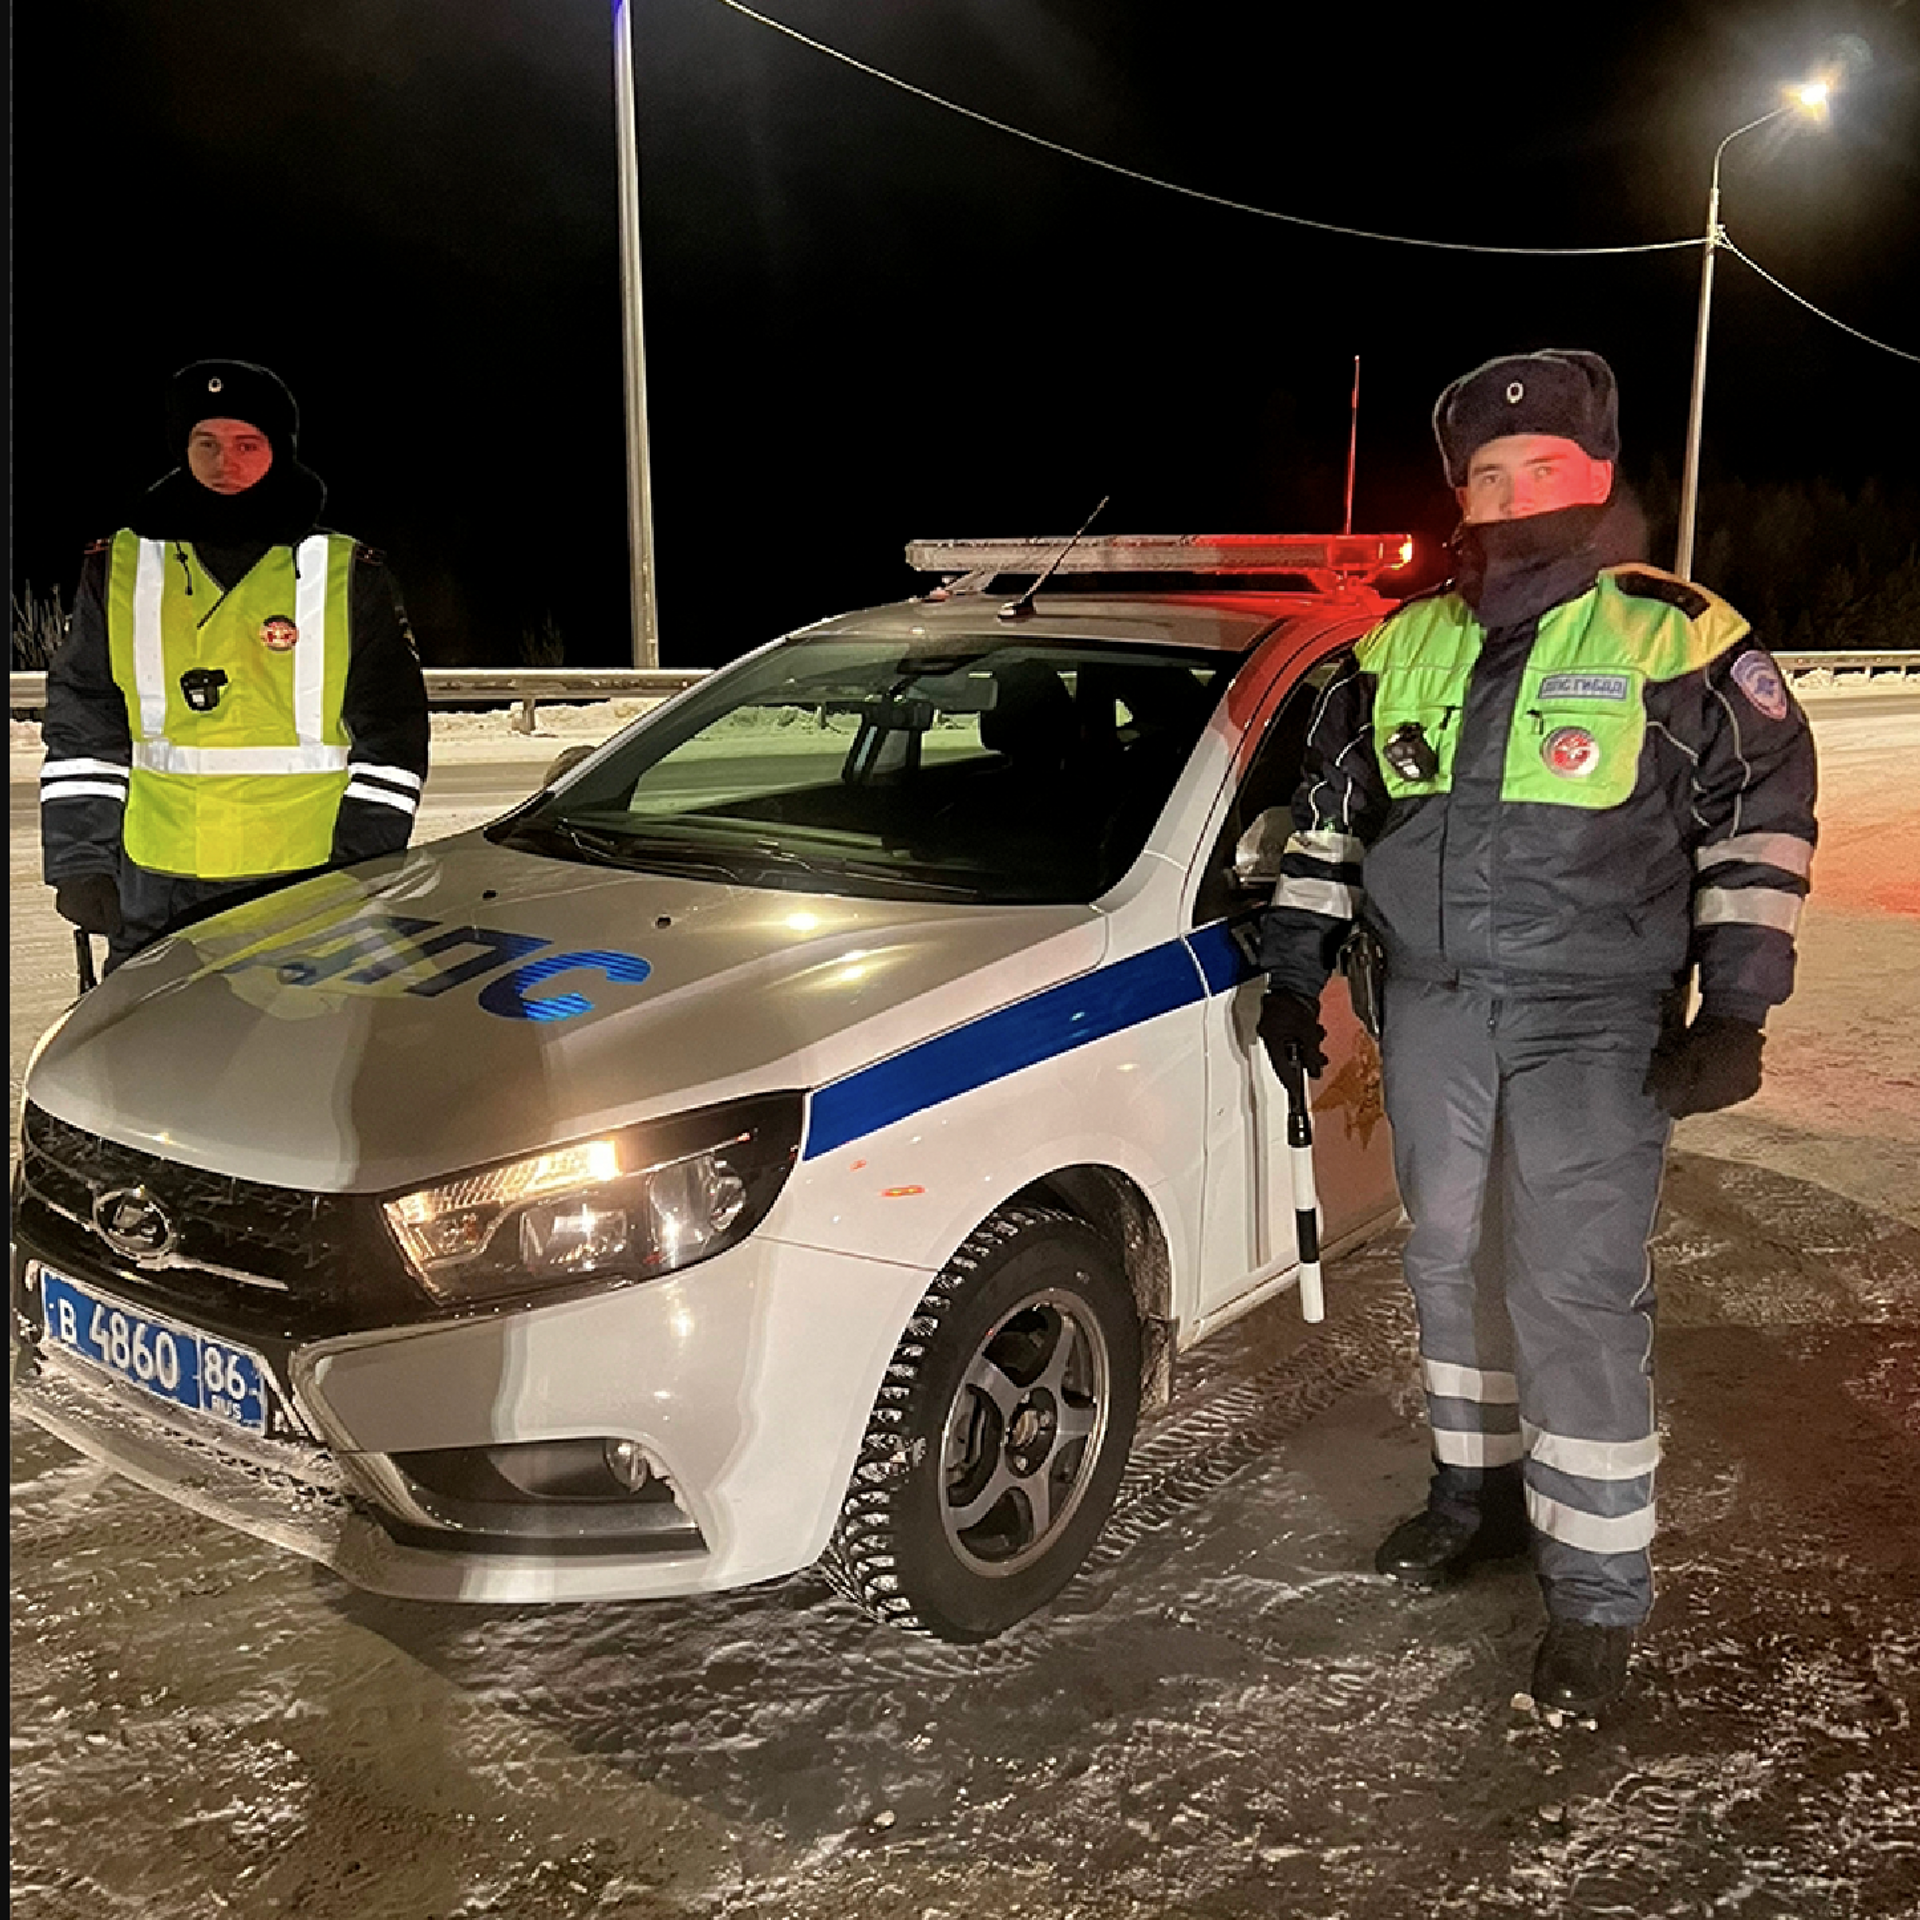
(1703, 863)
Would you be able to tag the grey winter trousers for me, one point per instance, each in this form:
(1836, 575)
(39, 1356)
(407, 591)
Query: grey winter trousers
(1529, 1160)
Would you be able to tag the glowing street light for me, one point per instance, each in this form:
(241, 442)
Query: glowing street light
(1810, 101)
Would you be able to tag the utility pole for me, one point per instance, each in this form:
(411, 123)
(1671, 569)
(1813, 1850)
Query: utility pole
(646, 624)
(1810, 100)
(1353, 443)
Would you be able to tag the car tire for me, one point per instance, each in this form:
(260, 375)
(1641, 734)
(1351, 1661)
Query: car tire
(1000, 1434)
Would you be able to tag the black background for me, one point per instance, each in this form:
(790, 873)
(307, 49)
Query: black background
(870, 320)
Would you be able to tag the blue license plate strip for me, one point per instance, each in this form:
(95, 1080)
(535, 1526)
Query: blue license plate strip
(175, 1363)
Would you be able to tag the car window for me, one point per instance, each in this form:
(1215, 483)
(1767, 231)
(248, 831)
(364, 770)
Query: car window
(996, 769)
(1271, 777)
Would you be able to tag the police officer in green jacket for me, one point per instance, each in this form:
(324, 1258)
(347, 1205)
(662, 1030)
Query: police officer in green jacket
(238, 700)
(1572, 799)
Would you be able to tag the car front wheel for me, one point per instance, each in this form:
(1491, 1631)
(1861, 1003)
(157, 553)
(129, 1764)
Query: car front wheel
(1000, 1434)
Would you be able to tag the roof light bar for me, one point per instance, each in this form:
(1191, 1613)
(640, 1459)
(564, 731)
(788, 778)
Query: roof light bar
(1345, 558)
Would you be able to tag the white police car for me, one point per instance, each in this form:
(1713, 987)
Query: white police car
(810, 1125)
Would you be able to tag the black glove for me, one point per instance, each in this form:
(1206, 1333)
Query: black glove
(1715, 1063)
(91, 901)
(1290, 1019)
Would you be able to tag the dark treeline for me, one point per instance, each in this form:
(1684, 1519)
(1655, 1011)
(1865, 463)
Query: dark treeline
(1814, 568)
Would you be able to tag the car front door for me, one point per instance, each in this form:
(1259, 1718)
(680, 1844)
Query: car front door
(1247, 1222)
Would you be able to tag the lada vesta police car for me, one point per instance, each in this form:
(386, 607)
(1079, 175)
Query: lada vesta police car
(809, 1126)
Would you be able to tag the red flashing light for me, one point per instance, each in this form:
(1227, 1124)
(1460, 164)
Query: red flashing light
(1331, 562)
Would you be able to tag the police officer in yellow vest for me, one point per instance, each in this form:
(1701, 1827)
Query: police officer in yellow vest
(238, 700)
(1559, 791)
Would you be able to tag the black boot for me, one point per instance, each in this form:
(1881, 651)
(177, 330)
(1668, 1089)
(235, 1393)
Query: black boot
(1433, 1546)
(1581, 1668)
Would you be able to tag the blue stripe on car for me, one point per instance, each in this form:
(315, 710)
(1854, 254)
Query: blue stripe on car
(1107, 1001)
(1220, 957)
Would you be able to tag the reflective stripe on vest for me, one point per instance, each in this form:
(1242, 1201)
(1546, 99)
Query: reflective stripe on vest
(253, 784)
(162, 756)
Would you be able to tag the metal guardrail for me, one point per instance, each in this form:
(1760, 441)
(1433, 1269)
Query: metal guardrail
(1846, 668)
(455, 686)
(526, 687)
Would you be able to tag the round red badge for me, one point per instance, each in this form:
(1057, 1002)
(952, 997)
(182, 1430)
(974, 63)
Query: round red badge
(279, 633)
(1571, 752)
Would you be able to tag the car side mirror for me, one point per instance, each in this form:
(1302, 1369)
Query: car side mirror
(565, 760)
(1256, 854)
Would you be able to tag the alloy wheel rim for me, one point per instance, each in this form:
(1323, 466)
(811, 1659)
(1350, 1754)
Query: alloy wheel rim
(1025, 1430)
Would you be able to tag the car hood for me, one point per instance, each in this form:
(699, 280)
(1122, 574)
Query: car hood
(464, 1002)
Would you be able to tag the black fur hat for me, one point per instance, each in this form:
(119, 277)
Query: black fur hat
(231, 390)
(1561, 391)
(280, 508)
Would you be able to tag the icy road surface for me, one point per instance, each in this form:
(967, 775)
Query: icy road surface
(1224, 1716)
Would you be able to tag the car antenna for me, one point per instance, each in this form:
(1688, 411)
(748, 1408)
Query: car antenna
(1353, 443)
(1019, 609)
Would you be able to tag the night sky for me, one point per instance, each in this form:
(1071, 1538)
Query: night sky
(869, 320)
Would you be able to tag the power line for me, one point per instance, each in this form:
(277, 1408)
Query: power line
(1811, 308)
(1271, 213)
(1174, 186)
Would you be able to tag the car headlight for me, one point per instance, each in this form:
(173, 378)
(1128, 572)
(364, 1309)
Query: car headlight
(628, 1204)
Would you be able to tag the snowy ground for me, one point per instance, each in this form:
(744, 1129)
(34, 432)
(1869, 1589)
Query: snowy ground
(1224, 1717)
(1840, 1104)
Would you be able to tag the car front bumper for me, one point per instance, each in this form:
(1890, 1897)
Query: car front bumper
(748, 1380)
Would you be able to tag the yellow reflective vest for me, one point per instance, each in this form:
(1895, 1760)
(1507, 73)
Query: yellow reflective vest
(239, 775)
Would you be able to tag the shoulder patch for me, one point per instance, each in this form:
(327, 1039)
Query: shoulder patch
(1663, 586)
(100, 546)
(371, 555)
(1757, 676)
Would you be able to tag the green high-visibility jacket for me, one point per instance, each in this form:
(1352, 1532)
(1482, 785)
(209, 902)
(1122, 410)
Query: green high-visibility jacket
(250, 783)
(1617, 788)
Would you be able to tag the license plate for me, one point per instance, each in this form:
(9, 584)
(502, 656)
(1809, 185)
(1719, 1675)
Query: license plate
(171, 1362)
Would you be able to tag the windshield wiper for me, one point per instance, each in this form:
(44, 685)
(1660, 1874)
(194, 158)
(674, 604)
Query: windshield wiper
(625, 851)
(777, 855)
(745, 866)
(877, 870)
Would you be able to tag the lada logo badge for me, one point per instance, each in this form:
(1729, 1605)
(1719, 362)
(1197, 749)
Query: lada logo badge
(133, 1223)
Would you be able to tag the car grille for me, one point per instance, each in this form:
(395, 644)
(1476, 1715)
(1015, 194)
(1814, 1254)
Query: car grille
(273, 1262)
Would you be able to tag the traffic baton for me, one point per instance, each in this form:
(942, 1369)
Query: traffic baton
(1306, 1202)
(83, 959)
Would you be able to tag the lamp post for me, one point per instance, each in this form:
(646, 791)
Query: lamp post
(646, 625)
(1809, 99)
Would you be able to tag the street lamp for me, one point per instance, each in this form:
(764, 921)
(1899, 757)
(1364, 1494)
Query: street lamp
(1810, 100)
(646, 625)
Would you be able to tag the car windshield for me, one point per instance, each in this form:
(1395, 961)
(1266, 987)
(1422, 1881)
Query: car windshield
(997, 769)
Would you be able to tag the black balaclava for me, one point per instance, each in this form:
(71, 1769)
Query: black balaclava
(277, 510)
(1513, 570)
